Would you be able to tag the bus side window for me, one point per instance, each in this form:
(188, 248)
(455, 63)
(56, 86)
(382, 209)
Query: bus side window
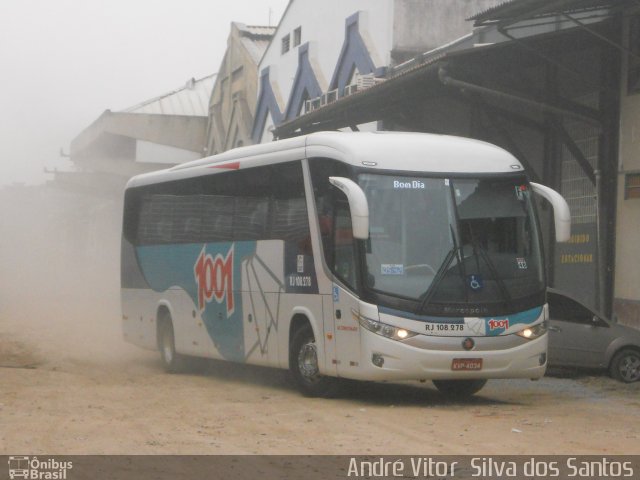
(250, 218)
(217, 218)
(131, 216)
(156, 220)
(324, 193)
(344, 258)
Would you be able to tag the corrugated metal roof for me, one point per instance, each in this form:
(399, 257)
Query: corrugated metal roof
(515, 8)
(488, 12)
(255, 48)
(260, 30)
(191, 100)
(255, 39)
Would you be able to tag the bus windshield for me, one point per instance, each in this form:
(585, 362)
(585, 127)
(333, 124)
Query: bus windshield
(447, 242)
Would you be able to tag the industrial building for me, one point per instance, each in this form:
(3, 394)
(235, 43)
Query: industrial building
(555, 83)
(319, 54)
(161, 131)
(232, 103)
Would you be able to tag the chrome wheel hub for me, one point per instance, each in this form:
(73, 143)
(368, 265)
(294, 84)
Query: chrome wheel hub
(308, 362)
(630, 368)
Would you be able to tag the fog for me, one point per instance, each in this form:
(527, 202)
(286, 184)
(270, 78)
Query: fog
(59, 297)
(63, 63)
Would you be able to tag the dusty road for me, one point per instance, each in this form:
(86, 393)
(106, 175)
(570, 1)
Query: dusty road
(69, 385)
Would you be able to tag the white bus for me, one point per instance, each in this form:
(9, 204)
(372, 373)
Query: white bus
(370, 256)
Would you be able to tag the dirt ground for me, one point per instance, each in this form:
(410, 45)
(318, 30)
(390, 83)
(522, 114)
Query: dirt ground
(70, 385)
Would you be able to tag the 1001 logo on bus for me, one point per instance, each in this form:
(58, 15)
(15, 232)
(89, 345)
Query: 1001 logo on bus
(214, 278)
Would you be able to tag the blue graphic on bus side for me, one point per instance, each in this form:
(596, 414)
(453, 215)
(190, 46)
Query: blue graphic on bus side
(211, 276)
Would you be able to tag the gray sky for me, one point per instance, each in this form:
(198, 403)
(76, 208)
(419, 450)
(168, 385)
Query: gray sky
(63, 62)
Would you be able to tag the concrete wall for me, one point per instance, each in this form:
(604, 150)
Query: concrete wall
(627, 268)
(179, 131)
(372, 33)
(422, 25)
(323, 27)
(232, 105)
(126, 144)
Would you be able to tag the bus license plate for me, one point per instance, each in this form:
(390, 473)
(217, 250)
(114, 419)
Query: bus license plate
(445, 329)
(466, 364)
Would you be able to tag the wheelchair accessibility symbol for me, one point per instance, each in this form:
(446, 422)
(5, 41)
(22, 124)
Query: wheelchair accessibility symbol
(475, 282)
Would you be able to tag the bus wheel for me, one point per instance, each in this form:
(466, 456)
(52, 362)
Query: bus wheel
(459, 388)
(173, 362)
(303, 362)
(625, 366)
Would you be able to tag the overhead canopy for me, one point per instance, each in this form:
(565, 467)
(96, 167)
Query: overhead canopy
(514, 10)
(364, 106)
(191, 100)
(417, 79)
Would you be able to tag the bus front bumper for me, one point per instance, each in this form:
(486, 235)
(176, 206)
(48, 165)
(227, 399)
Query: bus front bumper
(385, 359)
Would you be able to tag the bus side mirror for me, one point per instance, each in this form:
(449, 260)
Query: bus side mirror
(358, 205)
(561, 213)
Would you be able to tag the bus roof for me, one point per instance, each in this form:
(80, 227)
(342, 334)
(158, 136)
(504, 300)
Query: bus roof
(399, 151)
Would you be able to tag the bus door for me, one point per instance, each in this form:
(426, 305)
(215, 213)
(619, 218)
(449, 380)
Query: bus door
(330, 362)
(345, 303)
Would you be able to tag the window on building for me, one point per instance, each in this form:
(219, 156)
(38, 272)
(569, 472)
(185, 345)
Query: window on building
(286, 43)
(632, 185)
(297, 36)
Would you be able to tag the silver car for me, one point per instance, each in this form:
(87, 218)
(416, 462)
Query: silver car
(580, 337)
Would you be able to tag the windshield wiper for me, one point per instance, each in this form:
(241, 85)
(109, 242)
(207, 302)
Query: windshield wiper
(478, 251)
(453, 253)
(501, 285)
(499, 281)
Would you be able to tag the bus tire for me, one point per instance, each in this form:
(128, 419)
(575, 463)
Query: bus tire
(173, 362)
(303, 364)
(459, 388)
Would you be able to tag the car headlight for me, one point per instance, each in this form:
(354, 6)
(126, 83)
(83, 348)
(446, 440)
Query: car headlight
(533, 331)
(383, 329)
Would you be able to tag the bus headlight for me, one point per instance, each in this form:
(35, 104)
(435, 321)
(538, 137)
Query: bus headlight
(383, 329)
(534, 331)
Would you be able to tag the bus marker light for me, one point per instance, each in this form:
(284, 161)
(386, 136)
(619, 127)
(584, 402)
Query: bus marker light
(382, 329)
(534, 331)
(402, 333)
(228, 165)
